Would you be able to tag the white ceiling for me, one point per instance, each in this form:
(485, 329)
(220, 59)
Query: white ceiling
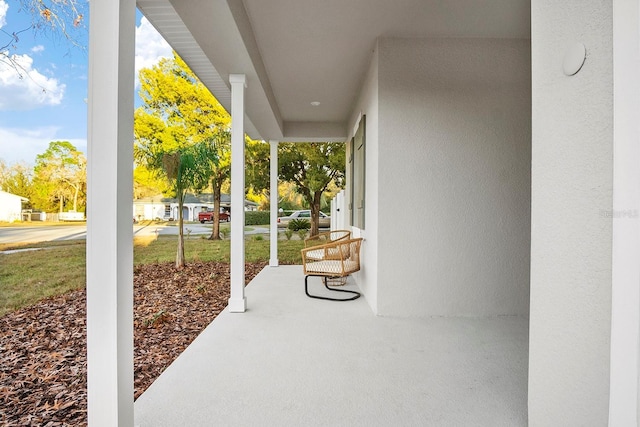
(298, 51)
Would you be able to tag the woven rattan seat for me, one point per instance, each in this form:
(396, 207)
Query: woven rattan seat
(323, 239)
(333, 260)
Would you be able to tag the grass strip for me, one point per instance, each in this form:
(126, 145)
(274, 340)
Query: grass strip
(28, 277)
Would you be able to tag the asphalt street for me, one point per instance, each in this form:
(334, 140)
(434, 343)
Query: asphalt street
(70, 232)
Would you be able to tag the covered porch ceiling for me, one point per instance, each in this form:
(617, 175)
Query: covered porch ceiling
(295, 53)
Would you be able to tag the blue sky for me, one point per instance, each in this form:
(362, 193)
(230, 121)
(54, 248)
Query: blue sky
(31, 117)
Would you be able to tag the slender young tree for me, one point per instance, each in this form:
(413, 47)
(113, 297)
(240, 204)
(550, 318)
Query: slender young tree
(180, 132)
(187, 168)
(179, 111)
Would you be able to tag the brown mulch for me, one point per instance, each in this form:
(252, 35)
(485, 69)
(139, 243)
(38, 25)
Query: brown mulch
(43, 364)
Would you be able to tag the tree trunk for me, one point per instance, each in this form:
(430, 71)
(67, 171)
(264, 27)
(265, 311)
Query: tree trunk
(217, 186)
(315, 213)
(75, 197)
(180, 252)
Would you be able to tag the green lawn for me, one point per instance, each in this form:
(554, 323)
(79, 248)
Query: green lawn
(27, 277)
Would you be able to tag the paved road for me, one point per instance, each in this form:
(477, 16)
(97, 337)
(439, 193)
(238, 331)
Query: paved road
(69, 232)
(41, 234)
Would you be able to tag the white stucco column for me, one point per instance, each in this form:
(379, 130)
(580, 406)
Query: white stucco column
(625, 292)
(237, 301)
(572, 229)
(273, 191)
(109, 205)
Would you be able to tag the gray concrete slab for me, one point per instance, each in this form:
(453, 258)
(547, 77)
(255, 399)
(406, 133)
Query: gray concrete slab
(294, 361)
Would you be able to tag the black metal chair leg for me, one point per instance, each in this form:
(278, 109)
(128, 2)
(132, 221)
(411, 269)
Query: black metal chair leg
(354, 294)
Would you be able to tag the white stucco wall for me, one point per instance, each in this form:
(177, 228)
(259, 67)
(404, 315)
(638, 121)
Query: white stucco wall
(367, 104)
(148, 211)
(10, 207)
(625, 292)
(454, 182)
(571, 233)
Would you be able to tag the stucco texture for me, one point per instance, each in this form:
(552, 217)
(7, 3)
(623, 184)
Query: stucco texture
(454, 185)
(10, 207)
(367, 104)
(571, 239)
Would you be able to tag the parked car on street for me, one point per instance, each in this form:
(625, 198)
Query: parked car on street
(207, 216)
(324, 220)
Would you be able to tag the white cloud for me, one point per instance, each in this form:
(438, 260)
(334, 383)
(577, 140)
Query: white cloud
(3, 13)
(150, 46)
(25, 88)
(23, 145)
(38, 48)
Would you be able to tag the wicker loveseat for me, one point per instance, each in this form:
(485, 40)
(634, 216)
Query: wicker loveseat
(332, 260)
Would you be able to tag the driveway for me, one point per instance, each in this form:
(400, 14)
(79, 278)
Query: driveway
(70, 232)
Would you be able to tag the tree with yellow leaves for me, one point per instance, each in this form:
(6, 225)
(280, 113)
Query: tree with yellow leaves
(181, 132)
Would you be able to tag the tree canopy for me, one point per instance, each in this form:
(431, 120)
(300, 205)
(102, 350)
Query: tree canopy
(60, 178)
(177, 109)
(257, 171)
(17, 179)
(312, 167)
(148, 183)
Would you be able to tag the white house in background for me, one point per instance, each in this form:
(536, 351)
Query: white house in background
(160, 207)
(514, 121)
(150, 208)
(10, 207)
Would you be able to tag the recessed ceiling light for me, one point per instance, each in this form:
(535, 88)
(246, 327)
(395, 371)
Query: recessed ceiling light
(315, 103)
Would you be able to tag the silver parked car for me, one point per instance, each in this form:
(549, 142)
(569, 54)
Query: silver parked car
(324, 220)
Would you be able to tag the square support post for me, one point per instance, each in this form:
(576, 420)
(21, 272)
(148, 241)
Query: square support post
(237, 300)
(624, 395)
(273, 193)
(109, 210)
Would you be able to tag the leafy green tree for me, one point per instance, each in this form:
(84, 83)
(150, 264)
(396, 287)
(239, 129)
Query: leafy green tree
(178, 111)
(184, 168)
(181, 132)
(312, 167)
(147, 183)
(257, 170)
(288, 197)
(60, 175)
(16, 179)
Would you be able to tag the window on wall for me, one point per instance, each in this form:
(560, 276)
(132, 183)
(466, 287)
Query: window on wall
(357, 160)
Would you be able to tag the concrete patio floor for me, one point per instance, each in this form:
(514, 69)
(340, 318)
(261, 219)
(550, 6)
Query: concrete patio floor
(294, 361)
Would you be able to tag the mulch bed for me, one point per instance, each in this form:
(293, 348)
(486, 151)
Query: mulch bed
(43, 364)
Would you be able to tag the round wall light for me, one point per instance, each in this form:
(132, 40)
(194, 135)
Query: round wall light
(574, 59)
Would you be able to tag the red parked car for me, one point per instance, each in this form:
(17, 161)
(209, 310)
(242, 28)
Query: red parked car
(207, 216)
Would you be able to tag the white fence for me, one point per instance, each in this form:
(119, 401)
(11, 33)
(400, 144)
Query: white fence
(338, 212)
